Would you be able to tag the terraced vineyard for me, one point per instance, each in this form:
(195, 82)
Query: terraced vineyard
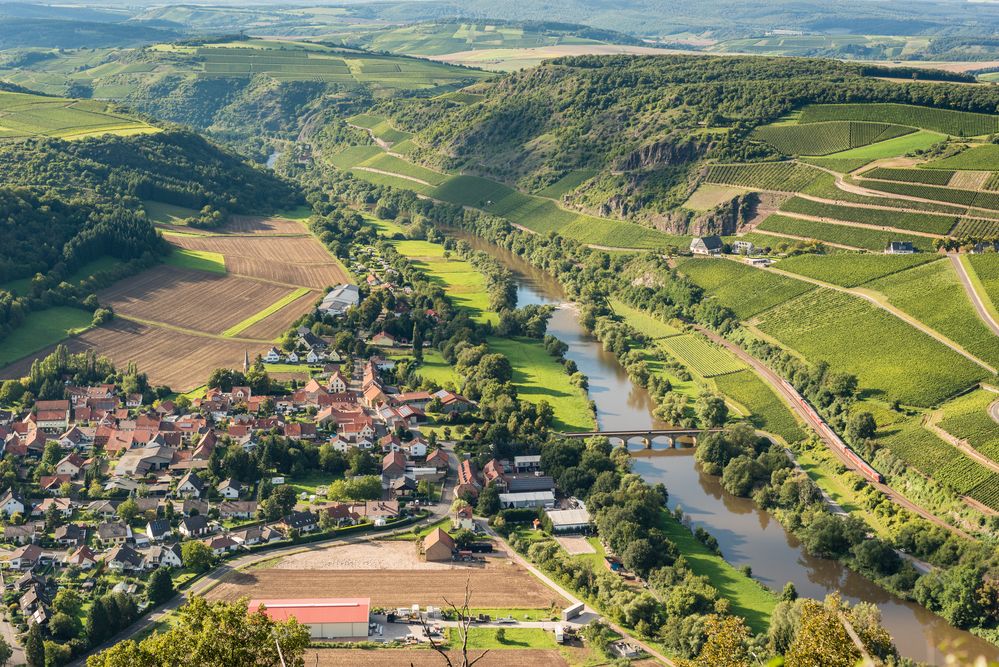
(976, 228)
(23, 115)
(855, 237)
(768, 411)
(859, 338)
(743, 289)
(932, 294)
(925, 176)
(932, 456)
(826, 138)
(961, 123)
(851, 269)
(917, 222)
(985, 200)
(967, 418)
(380, 127)
(986, 269)
(825, 186)
(778, 176)
(983, 157)
(855, 158)
(700, 356)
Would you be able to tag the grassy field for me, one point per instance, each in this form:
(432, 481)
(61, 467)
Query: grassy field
(961, 123)
(24, 115)
(707, 196)
(851, 269)
(743, 289)
(700, 356)
(767, 411)
(567, 183)
(826, 138)
(749, 600)
(465, 286)
(353, 156)
(854, 237)
(643, 322)
(933, 294)
(42, 328)
(286, 300)
(200, 260)
(514, 638)
(540, 377)
(855, 158)
(380, 127)
(984, 157)
(167, 214)
(859, 338)
(435, 369)
(933, 223)
(984, 274)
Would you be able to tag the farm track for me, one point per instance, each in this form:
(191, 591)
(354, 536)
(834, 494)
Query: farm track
(931, 423)
(192, 332)
(383, 172)
(976, 299)
(793, 399)
(879, 301)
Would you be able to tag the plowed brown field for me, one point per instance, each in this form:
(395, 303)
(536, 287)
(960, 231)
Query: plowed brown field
(178, 360)
(299, 249)
(277, 323)
(251, 224)
(496, 586)
(316, 276)
(192, 299)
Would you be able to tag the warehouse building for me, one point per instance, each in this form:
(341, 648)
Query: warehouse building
(326, 618)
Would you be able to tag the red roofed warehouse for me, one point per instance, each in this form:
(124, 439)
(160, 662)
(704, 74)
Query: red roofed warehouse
(327, 618)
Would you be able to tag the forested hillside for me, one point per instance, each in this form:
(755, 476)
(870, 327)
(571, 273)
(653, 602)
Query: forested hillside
(641, 126)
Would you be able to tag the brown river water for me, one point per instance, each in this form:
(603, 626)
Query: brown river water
(746, 534)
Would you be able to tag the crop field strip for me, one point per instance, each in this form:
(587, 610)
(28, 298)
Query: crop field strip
(745, 290)
(272, 309)
(775, 176)
(646, 324)
(980, 157)
(961, 123)
(924, 176)
(890, 358)
(930, 223)
(825, 187)
(854, 237)
(768, 411)
(700, 356)
(826, 138)
(967, 417)
(855, 158)
(932, 293)
(972, 198)
(24, 115)
(985, 269)
(851, 269)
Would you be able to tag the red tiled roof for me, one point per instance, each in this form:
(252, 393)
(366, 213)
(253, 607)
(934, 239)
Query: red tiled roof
(316, 610)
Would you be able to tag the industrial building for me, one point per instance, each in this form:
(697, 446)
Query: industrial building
(326, 618)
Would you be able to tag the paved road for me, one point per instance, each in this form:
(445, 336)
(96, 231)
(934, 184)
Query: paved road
(9, 635)
(976, 298)
(793, 399)
(548, 581)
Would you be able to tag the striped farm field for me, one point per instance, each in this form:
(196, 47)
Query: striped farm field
(390, 163)
(857, 337)
(933, 294)
(777, 176)
(855, 237)
(986, 272)
(967, 417)
(983, 157)
(643, 322)
(25, 115)
(976, 228)
(353, 156)
(851, 269)
(380, 127)
(273, 308)
(961, 123)
(567, 183)
(925, 176)
(855, 158)
(767, 410)
(743, 289)
(826, 138)
(932, 456)
(700, 356)
(986, 200)
(917, 222)
(825, 186)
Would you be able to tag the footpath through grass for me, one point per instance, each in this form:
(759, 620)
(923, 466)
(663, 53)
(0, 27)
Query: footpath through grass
(42, 328)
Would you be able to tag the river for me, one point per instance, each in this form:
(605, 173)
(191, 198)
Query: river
(746, 534)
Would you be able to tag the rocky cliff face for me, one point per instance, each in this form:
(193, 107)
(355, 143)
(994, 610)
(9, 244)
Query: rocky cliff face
(669, 151)
(726, 219)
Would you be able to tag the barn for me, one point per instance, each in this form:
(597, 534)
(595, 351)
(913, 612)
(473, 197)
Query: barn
(327, 618)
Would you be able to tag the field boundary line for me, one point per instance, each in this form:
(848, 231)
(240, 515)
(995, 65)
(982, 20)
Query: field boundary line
(385, 172)
(191, 332)
(976, 293)
(931, 423)
(862, 225)
(261, 315)
(782, 235)
(869, 296)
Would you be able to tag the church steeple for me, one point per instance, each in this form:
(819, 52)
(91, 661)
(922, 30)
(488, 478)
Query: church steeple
(246, 360)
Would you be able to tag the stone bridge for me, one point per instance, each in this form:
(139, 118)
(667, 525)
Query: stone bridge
(675, 436)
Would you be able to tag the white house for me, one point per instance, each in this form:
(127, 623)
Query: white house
(273, 356)
(292, 357)
(706, 245)
(12, 502)
(229, 489)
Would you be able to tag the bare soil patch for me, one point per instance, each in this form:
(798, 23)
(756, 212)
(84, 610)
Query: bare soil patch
(178, 360)
(316, 276)
(252, 224)
(304, 249)
(506, 585)
(429, 658)
(191, 299)
(372, 555)
(576, 545)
